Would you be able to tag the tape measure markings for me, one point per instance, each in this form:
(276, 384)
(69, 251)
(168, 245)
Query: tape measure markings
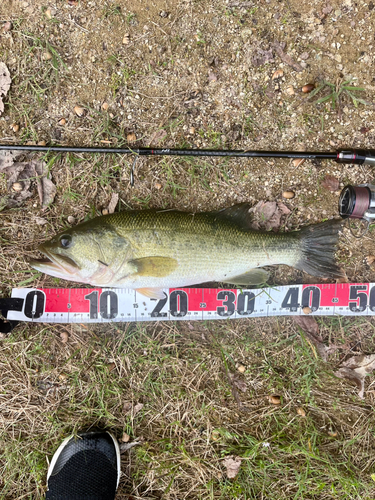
(98, 305)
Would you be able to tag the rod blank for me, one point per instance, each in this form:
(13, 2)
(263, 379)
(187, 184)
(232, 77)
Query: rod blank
(176, 152)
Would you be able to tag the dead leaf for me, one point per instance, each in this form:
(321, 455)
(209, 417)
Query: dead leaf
(137, 408)
(238, 382)
(24, 173)
(157, 137)
(331, 183)
(268, 215)
(7, 158)
(356, 368)
(284, 57)
(112, 204)
(5, 81)
(127, 407)
(311, 329)
(232, 466)
(260, 56)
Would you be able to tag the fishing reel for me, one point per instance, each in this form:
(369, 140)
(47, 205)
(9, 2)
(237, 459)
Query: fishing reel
(358, 202)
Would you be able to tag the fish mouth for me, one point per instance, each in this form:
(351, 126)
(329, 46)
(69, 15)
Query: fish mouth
(60, 266)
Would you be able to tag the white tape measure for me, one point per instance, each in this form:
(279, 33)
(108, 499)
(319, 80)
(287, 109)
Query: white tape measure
(102, 305)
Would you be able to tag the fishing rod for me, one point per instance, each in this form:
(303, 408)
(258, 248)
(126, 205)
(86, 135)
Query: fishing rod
(347, 156)
(355, 201)
(354, 156)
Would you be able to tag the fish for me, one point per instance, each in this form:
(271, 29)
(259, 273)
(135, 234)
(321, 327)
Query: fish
(148, 250)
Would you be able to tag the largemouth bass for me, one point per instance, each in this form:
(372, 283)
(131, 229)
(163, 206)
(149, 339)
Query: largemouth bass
(150, 250)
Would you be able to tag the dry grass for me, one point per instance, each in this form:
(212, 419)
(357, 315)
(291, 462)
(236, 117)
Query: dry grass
(186, 375)
(190, 419)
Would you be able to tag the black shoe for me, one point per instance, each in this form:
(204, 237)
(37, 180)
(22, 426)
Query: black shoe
(85, 468)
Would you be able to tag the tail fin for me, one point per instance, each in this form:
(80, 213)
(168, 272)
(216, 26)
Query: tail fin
(318, 247)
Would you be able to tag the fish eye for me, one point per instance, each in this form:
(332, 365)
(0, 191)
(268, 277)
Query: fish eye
(65, 241)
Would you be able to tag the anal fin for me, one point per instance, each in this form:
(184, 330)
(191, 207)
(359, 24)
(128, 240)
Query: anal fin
(252, 277)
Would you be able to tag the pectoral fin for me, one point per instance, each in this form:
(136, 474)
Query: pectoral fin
(252, 277)
(157, 267)
(152, 293)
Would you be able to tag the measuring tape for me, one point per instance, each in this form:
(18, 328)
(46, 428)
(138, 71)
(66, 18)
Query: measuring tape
(102, 305)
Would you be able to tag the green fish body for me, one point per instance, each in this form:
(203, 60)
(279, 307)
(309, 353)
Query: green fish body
(150, 250)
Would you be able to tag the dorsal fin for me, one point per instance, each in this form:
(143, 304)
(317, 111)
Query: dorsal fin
(237, 214)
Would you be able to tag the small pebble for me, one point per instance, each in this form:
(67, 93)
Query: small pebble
(125, 437)
(290, 90)
(17, 186)
(275, 400)
(15, 127)
(277, 74)
(64, 337)
(62, 122)
(19, 234)
(79, 111)
(306, 310)
(105, 211)
(308, 88)
(301, 412)
(297, 162)
(41, 221)
(46, 56)
(7, 26)
(131, 137)
(288, 195)
(163, 13)
(105, 106)
(126, 39)
(71, 219)
(241, 368)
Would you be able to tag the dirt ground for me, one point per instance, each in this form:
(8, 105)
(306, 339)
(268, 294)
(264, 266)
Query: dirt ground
(205, 74)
